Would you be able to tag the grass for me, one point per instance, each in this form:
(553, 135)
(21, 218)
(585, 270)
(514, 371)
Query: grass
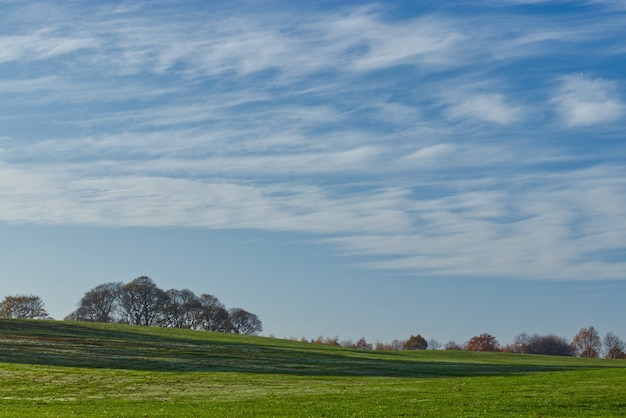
(55, 368)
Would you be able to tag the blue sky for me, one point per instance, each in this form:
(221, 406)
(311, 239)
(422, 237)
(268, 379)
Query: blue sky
(338, 168)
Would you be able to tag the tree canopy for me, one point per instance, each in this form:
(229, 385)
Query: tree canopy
(142, 302)
(23, 307)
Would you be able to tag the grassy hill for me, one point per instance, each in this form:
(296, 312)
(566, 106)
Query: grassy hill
(55, 368)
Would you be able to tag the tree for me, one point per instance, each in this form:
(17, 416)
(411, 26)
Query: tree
(244, 322)
(215, 317)
(614, 347)
(483, 342)
(550, 345)
(183, 309)
(23, 307)
(397, 344)
(415, 343)
(143, 302)
(587, 342)
(520, 342)
(453, 346)
(433, 344)
(99, 304)
(362, 344)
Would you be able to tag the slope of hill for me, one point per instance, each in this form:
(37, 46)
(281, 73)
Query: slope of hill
(57, 368)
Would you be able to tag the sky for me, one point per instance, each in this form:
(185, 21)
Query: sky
(346, 169)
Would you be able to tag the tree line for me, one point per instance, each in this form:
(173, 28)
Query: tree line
(586, 343)
(142, 302)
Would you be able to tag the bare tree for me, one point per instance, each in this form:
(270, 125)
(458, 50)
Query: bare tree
(587, 342)
(99, 304)
(23, 307)
(397, 344)
(433, 344)
(453, 346)
(349, 343)
(244, 322)
(215, 317)
(143, 302)
(183, 309)
(614, 347)
(520, 342)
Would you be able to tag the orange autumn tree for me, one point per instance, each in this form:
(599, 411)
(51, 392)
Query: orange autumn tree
(483, 342)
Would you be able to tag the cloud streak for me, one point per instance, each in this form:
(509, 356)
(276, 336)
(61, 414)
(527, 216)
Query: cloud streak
(433, 144)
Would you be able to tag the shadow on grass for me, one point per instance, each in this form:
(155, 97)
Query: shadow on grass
(55, 343)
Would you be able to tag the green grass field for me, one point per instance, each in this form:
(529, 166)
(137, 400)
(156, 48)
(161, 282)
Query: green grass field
(54, 368)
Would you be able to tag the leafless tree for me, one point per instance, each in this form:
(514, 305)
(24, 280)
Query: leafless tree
(397, 344)
(520, 342)
(614, 347)
(433, 344)
(183, 309)
(23, 307)
(143, 302)
(587, 342)
(244, 322)
(213, 316)
(453, 346)
(99, 304)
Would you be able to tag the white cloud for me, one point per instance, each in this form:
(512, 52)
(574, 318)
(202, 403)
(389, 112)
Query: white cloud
(485, 107)
(406, 141)
(40, 45)
(559, 229)
(583, 101)
(378, 44)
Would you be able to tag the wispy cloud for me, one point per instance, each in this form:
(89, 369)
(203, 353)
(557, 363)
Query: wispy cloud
(583, 101)
(486, 107)
(433, 143)
(40, 45)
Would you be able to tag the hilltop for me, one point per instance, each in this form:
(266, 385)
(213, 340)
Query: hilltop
(56, 368)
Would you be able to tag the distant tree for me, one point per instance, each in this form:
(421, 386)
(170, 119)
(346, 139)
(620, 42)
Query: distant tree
(362, 344)
(614, 347)
(244, 322)
(397, 344)
(333, 341)
(23, 307)
(182, 310)
(215, 317)
(520, 342)
(349, 343)
(99, 304)
(587, 342)
(550, 345)
(143, 302)
(452, 346)
(433, 344)
(415, 342)
(327, 341)
(483, 342)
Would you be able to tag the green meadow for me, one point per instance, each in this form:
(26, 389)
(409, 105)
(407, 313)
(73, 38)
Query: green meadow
(59, 369)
